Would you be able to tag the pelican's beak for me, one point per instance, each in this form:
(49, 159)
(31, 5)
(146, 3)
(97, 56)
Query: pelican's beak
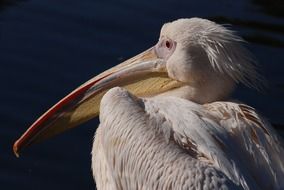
(143, 75)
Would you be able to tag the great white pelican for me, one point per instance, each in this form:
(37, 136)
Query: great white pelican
(166, 120)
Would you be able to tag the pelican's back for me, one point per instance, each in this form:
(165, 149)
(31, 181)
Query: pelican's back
(172, 143)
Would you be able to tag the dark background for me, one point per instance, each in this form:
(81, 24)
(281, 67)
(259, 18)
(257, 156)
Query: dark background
(49, 47)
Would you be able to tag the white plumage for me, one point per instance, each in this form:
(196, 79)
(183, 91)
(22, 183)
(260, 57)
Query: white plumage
(173, 143)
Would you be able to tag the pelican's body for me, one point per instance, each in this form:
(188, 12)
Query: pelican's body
(171, 126)
(173, 143)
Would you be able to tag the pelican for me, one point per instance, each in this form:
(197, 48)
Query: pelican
(166, 119)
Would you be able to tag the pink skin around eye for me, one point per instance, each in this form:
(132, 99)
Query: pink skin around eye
(165, 48)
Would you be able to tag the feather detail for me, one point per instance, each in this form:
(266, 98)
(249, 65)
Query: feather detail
(173, 143)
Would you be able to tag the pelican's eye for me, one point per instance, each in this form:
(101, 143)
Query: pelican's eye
(168, 44)
(165, 48)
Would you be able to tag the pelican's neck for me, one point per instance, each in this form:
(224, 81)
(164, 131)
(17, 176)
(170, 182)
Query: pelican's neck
(215, 90)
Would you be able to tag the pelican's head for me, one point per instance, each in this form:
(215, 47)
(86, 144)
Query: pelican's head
(207, 57)
(194, 59)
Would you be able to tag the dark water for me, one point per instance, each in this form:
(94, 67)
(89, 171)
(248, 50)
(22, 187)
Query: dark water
(48, 47)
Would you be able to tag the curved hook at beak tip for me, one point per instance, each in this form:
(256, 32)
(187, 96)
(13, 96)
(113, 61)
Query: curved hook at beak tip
(15, 149)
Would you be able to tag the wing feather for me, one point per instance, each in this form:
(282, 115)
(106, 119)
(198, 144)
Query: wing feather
(257, 144)
(223, 144)
(232, 137)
